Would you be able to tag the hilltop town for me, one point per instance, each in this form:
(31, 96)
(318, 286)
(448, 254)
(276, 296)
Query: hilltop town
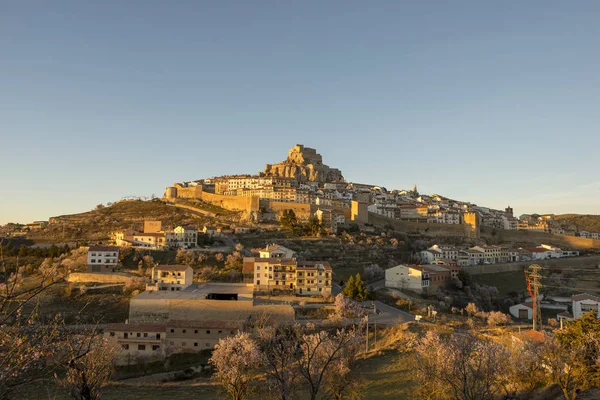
(289, 256)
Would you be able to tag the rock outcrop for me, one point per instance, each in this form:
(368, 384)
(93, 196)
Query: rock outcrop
(304, 164)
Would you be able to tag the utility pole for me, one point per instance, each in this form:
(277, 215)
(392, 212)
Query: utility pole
(367, 336)
(534, 277)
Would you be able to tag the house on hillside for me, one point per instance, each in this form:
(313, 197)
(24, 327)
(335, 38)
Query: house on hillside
(277, 251)
(420, 278)
(522, 311)
(584, 303)
(103, 259)
(171, 277)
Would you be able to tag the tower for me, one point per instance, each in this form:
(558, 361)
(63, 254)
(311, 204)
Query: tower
(415, 192)
(509, 211)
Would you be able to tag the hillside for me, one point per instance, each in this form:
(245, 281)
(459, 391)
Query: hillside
(586, 222)
(97, 224)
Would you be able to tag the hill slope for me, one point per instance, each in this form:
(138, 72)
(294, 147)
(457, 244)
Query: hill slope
(97, 224)
(586, 222)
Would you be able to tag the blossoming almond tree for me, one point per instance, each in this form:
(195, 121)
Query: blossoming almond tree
(236, 360)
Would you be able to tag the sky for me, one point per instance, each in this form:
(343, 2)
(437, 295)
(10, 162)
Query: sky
(495, 103)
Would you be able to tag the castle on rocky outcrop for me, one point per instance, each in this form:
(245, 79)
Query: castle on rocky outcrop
(304, 164)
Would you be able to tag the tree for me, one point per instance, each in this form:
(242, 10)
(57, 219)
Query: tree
(318, 354)
(236, 360)
(347, 308)
(471, 309)
(288, 219)
(356, 289)
(279, 346)
(374, 272)
(461, 367)
(314, 226)
(88, 363)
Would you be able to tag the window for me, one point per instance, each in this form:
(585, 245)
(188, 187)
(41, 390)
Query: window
(145, 334)
(183, 331)
(208, 332)
(138, 334)
(258, 275)
(172, 330)
(220, 332)
(112, 334)
(155, 347)
(258, 267)
(141, 347)
(195, 344)
(196, 331)
(125, 346)
(93, 260)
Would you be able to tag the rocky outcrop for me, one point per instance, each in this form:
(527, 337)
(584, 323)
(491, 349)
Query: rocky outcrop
(304, 164)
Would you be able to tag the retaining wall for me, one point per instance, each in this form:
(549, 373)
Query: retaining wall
(99, 277)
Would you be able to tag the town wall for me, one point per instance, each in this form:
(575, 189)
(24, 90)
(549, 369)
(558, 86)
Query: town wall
(576, 262)
(423, 228)
(302, 210)
(525, 238)
(100, 278)
(192, 192)
(234, 203)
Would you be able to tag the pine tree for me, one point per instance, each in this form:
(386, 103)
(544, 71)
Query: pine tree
(350, 290)
(361, 289)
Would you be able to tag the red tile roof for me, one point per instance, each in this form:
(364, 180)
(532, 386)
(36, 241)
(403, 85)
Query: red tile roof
(585, 296)
(103, 248)
(136, 327)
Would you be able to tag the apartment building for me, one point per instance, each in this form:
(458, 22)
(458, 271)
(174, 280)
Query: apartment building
(170, 277)
(492, 254)
(288, 275)
(183, 237)
(103, 258)
(156, 341)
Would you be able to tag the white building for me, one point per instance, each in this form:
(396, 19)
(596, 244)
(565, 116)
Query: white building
(277, 251)
(522, 311)
(103, 258)
(407, 277)
(171, 277)
(584, 303)
(184, 237)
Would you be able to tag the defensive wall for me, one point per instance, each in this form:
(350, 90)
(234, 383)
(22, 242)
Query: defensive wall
(234, 203)
(459, 230)
(161, 310)
(574, 262)
(302, 210)
(99, 277)
(537, 238)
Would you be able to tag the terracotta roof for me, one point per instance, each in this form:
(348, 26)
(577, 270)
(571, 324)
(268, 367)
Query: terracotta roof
(172, 267)
(103, 248)
(538, 250)
(153, 234)
(204, 324)
(136, 327)
(585, 296)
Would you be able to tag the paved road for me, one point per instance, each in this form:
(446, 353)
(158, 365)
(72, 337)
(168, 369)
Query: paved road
(390, 316)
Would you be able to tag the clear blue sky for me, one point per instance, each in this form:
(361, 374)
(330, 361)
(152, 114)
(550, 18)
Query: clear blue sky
(491, 102)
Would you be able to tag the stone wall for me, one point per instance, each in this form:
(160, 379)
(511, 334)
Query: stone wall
(302, 210)
(423, 228)
(536, 238)
(577, 262)
(99, 278)
(234, 203)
